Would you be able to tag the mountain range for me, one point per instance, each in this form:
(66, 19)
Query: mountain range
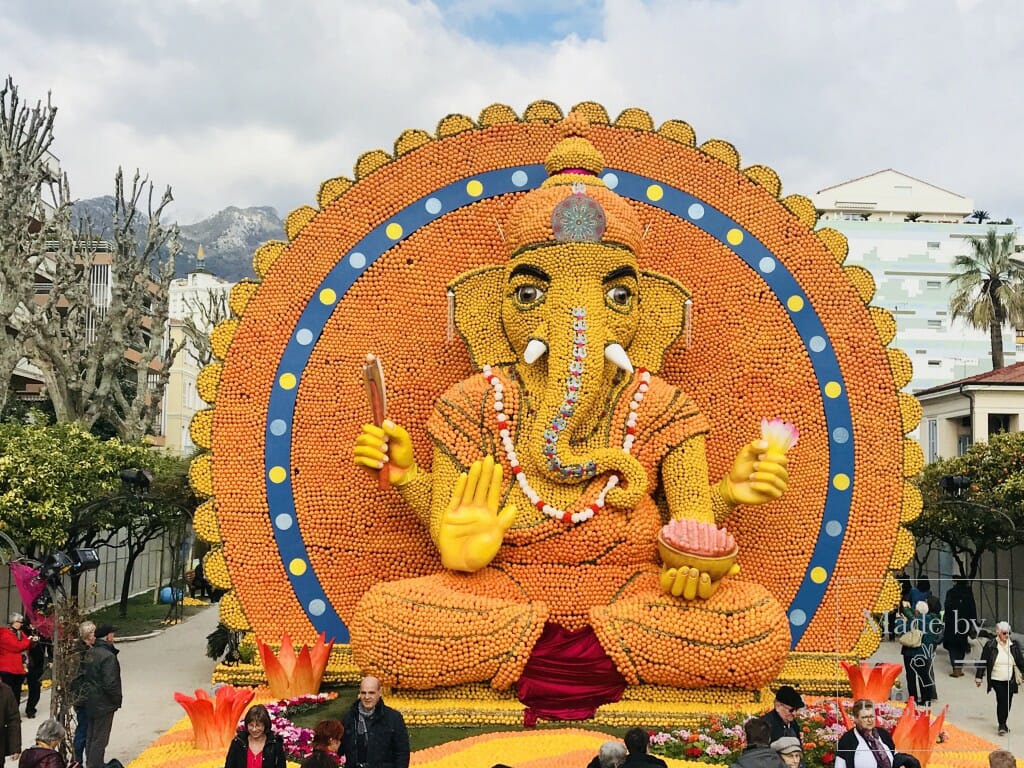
(228, 238)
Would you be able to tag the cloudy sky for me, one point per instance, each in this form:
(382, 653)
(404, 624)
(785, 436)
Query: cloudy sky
(255, 102)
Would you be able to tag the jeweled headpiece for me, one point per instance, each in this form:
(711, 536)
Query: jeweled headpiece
(573, 204)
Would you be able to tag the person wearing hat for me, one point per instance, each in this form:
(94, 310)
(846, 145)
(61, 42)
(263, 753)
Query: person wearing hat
(790, 749)
(105, 695)
(782, 718)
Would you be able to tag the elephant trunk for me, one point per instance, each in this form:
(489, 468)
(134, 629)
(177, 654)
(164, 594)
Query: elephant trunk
(578, 391)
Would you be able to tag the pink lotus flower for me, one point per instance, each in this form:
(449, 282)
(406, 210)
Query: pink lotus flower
(215, 721)
(780, 435)
(290, 675)
(875, 683)
(916, 733)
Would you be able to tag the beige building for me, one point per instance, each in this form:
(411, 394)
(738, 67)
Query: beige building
(202, 298)
(961, 413)
(891, 196)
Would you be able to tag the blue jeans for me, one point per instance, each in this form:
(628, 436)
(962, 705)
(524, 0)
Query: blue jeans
(81, 732)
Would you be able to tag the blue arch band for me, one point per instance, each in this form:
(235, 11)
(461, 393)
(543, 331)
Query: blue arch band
(743, 244)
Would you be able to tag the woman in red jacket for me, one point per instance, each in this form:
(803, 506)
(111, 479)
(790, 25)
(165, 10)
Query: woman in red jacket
(13, 642)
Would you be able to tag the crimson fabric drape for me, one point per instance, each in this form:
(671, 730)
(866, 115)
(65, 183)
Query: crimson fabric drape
(567, 677)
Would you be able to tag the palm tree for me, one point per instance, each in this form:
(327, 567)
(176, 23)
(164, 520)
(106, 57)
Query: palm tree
(981, 216)
(989, 287)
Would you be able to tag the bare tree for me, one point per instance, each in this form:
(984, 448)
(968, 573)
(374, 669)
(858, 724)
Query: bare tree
(202, 315)
(100, 337)
(26, 134)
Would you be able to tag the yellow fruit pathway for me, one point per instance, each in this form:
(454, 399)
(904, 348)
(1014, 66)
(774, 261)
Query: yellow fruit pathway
(561, 748)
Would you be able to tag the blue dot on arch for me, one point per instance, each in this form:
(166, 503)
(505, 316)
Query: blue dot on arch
(304, 337)
(610, 180)
(766, 265)
(317, 607)
(278, 427)
(432, 206)
(283, 522)
(695, 211)
(357, 261)
(519, 178)
(797, 617)
(817, 344)
(834, 528)
(841, 434)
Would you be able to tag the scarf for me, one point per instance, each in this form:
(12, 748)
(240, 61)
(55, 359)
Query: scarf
(882, 759)
(362, 741)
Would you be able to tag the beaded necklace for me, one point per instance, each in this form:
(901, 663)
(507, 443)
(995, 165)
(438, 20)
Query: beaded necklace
(582, 515)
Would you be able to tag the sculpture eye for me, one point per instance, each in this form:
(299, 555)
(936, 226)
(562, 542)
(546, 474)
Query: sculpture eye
(620, 295)
(528, 294)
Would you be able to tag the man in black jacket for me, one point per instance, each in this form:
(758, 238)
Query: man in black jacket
(782, 718)
(104, 673)
(375, 734)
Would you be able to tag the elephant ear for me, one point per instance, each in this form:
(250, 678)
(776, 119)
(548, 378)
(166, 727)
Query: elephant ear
(662, 319)
(478, 297)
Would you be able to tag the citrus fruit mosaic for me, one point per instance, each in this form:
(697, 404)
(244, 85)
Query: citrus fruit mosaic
(746, 313)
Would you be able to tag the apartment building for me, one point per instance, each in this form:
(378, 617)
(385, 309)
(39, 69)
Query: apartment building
(907, 233)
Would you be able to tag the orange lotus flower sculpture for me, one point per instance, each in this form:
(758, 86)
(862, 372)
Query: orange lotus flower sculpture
(871, 682)
(916, 733)
(290, 674)
(215, 720)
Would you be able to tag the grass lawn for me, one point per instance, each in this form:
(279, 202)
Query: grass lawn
(143, 616)
(421, 737)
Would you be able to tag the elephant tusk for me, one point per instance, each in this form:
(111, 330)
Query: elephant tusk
(614, 353)
(534, 351)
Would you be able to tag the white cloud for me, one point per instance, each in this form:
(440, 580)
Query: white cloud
(240, 103)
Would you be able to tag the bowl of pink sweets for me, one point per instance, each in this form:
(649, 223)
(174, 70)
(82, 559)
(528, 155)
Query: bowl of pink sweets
(693, 544)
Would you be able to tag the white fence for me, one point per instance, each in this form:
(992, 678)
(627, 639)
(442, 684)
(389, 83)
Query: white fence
(102, 586)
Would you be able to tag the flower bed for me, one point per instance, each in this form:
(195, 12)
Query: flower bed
(297, 740)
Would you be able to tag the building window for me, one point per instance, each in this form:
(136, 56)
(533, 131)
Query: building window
(934, 362)
(933, 440)
(934, 285)
(934, 323)
(934, 244)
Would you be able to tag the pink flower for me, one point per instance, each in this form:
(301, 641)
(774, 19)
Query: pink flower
(780, 435)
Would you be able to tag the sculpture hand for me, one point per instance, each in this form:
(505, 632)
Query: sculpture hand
(472, 529)
(689, 583)
(758, 475)
(387, 444)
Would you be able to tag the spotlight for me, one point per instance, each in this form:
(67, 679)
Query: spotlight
(136, 479)
(84, 559)
(56, 565)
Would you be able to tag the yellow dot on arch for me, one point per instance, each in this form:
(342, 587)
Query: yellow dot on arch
(841, 482)
(833, 390)
(297, 567)
(474, 188)
(287, 381)
(655, 192)
(277, 474)
(818, 575)
(734, 236)
(394, 229)
(795, 303)
(328, 296)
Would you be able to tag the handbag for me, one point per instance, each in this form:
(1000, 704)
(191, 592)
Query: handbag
(1017, 676)
(911, 638)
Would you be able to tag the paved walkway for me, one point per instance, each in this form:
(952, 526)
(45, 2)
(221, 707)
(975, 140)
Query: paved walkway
(970, 707)
(151, 671)
(175, 660)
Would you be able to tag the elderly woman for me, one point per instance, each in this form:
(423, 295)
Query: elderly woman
(789, 749)
(865, 745)
(14, 641)
(1004, 667)
(612, 754)
(44, 754)
(326, 741)
(256, 745)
